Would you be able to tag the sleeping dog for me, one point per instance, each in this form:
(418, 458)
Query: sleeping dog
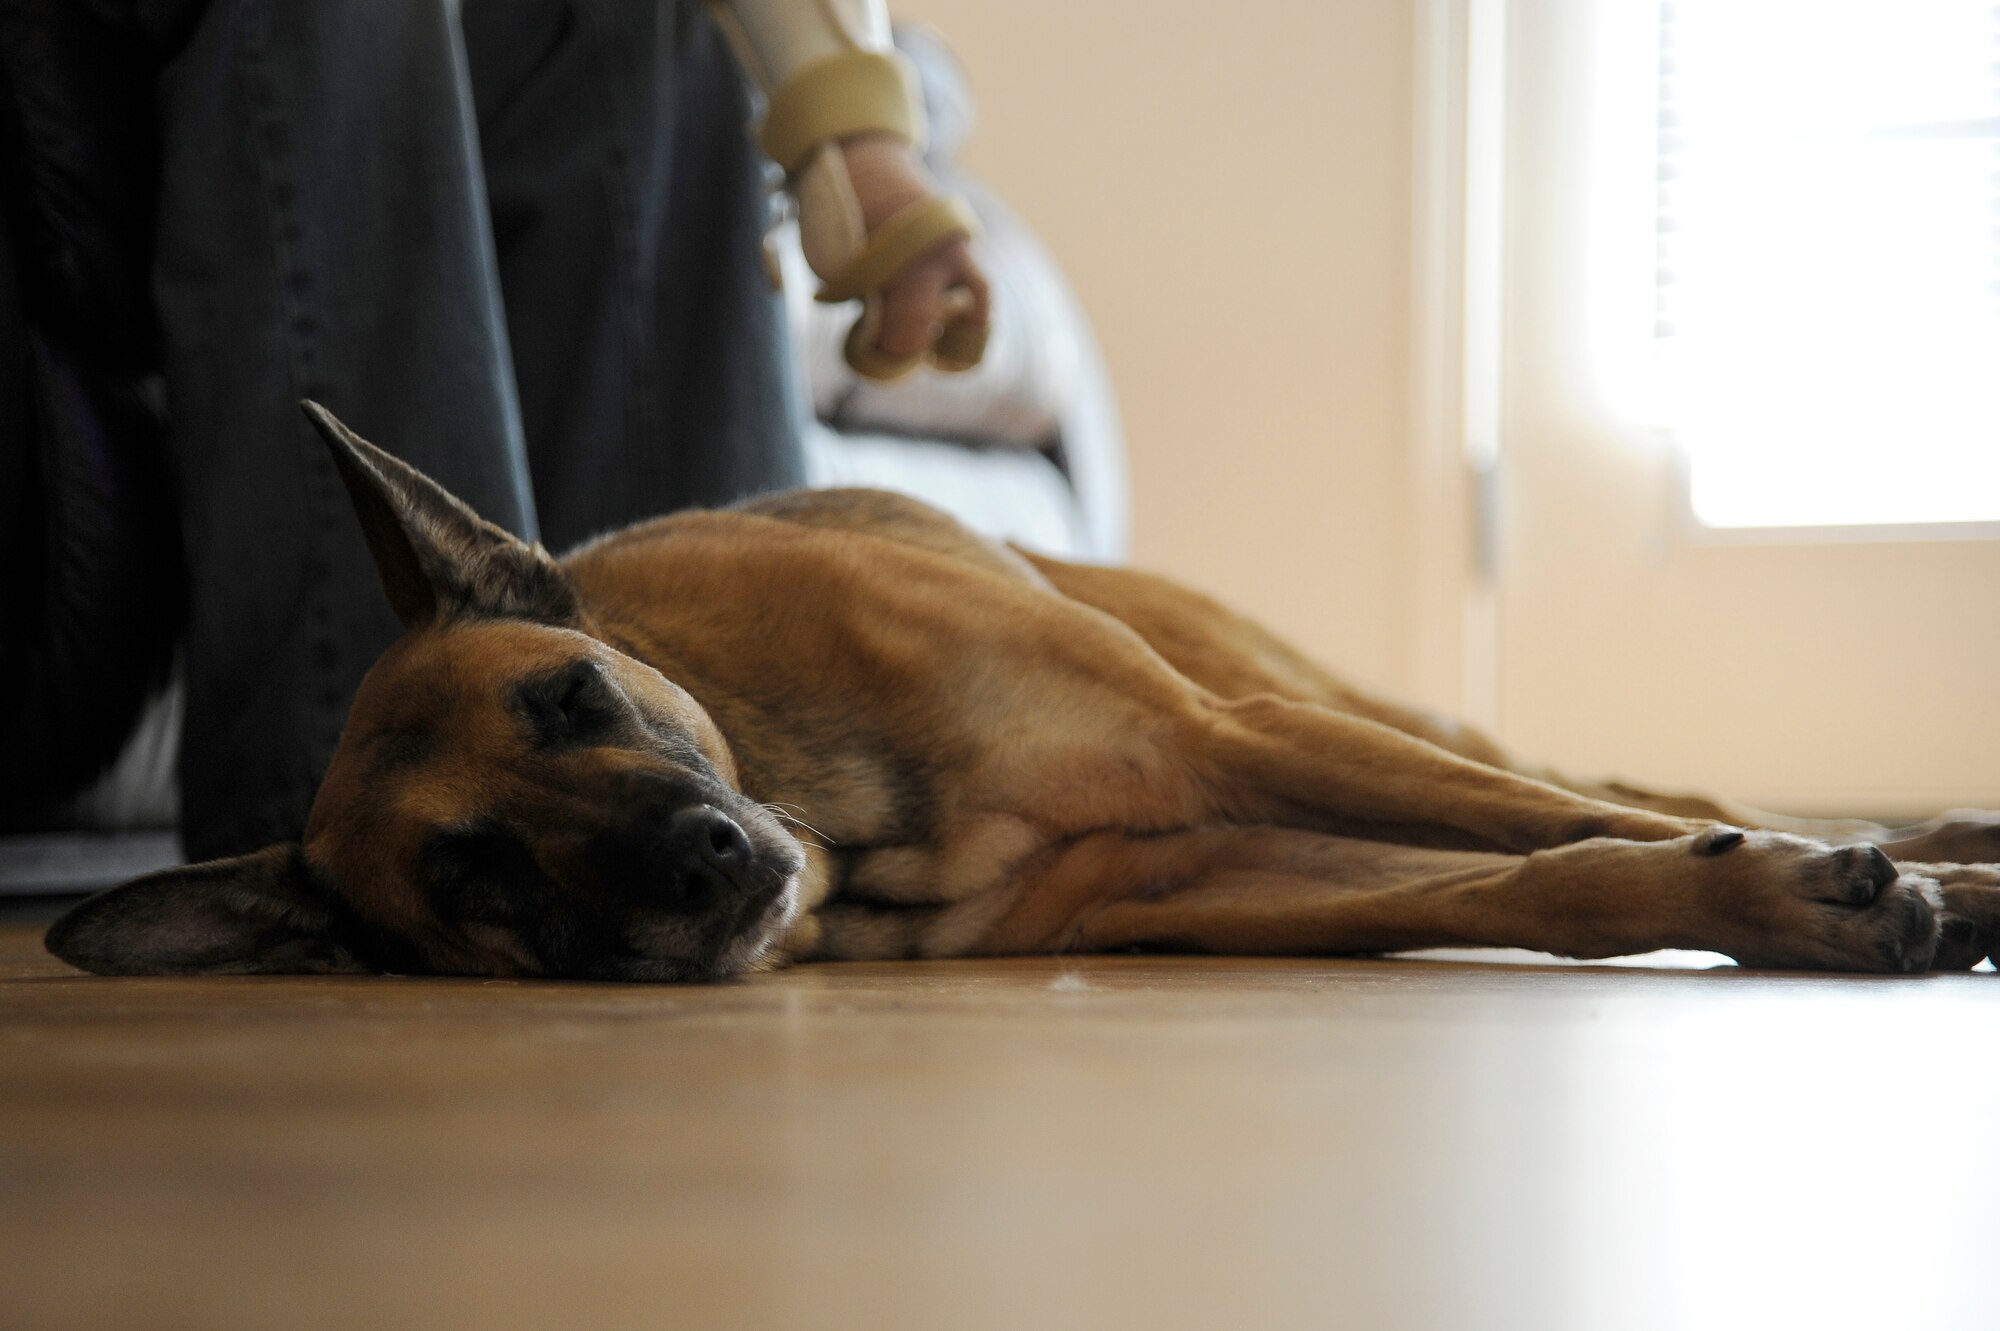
(836, 724)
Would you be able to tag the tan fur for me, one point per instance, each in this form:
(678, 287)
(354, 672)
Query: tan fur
(985, 752)
(1125, 702)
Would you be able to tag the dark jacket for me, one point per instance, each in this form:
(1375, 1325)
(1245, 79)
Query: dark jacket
(90, 584)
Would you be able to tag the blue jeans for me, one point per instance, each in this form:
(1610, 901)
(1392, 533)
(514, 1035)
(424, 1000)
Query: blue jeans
(517, 242)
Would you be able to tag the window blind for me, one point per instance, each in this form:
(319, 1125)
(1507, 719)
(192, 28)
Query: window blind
(1827, 258)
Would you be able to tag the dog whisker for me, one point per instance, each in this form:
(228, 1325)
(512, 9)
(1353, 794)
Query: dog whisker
(778, 811)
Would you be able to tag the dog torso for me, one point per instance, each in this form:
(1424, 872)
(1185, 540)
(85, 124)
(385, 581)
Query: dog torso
(923, 704)
(839, 725)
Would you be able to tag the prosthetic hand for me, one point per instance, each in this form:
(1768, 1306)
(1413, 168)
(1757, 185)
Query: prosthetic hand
(846, 122)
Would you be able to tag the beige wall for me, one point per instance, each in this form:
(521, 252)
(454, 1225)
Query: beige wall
(1229, 188)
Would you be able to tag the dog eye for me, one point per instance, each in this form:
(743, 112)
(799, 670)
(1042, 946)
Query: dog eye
(483, 873)
(574, 700)
(575, 703)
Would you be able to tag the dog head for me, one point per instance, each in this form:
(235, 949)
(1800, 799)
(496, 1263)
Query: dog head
(512, 795)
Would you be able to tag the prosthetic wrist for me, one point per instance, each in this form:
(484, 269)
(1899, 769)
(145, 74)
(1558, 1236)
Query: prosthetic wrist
(830, 72)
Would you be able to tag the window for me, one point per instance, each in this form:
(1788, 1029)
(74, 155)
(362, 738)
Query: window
(1827, 275)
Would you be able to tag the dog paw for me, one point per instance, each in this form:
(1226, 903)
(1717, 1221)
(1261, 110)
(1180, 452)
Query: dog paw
(1795, 902)
(1970, 929)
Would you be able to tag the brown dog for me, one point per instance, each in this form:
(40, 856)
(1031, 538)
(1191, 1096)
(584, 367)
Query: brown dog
(839, 725)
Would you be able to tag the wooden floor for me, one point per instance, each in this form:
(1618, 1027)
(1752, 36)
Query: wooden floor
(1099, 1142)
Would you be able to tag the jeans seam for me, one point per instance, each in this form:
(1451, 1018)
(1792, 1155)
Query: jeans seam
(279, 195)
(640, 415)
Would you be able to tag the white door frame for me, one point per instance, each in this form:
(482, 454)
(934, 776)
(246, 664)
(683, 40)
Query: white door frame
(1459, 146)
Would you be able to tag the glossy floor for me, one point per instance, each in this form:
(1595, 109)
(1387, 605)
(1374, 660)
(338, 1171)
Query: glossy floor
(1092, 1142)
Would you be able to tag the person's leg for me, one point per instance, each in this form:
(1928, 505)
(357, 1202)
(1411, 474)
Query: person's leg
(322, 233)
(629, 207)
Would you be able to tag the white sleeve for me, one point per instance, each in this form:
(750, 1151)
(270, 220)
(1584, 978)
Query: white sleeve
(778, 38)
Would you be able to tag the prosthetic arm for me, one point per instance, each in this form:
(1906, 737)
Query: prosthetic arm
(845, 121)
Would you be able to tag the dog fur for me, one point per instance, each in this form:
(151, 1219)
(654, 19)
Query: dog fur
(837, 724)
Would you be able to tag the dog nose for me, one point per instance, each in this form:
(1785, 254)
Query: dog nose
(707, 835)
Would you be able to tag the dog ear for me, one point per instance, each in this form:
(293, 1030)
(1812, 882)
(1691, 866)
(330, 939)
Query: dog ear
(436, 557)
(257, 914)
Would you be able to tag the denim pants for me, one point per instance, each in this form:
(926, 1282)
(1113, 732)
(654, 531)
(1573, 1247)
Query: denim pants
(516, 242)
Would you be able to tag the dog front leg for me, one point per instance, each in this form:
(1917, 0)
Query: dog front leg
(1764, 898)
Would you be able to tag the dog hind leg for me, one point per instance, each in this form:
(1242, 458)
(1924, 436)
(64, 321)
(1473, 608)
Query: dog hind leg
(1233, 657)
(1271, 760)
